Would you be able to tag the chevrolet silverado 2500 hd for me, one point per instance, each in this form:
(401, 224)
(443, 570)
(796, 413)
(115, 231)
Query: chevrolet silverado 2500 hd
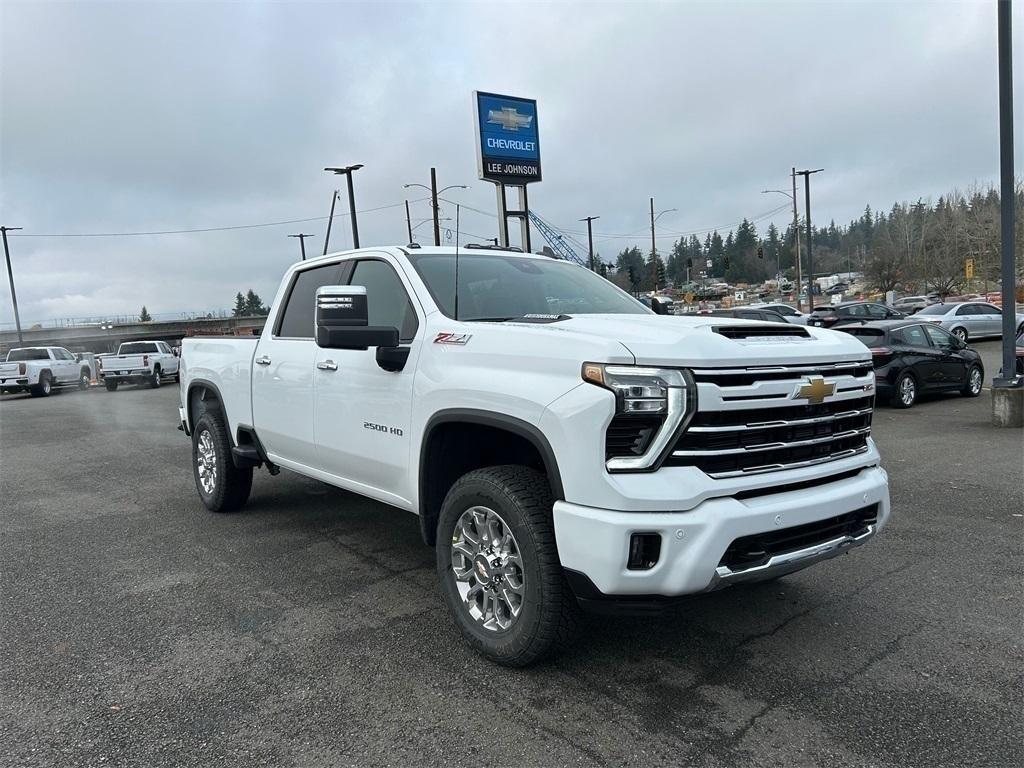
(139, 362)
(40, 370)
(563, 446)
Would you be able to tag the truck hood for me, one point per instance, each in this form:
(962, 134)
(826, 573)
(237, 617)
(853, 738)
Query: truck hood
(711, 341)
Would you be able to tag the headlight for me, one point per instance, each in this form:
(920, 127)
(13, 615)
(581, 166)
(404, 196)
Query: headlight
(667, 395)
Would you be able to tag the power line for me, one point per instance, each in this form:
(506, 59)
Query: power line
(210, 229)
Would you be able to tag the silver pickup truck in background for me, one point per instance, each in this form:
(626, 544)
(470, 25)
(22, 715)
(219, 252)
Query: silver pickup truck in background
(139, 362)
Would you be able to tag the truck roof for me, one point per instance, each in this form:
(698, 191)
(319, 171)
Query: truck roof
(473, 249)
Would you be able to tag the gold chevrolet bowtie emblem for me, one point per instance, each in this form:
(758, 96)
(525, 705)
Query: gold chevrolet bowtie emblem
(816, 390)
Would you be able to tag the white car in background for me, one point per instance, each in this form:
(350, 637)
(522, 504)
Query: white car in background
(791, 314)
(969, 319)
(39, 370)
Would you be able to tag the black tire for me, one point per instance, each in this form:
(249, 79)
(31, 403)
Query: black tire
(550, 616)
(905, 394)
(231, 485)
(177, 377)
(154, 380)
(960, 333)
(44, 387)
(974, 381)
(110, 385)
(84, 378)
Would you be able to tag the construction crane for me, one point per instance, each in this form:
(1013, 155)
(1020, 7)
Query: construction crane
(560, 243)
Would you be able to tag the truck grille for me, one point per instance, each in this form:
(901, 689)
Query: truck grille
(753, 420)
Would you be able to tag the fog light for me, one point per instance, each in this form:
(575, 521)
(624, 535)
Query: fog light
(644, 551)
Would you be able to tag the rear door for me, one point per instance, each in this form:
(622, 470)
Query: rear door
(990, 320)
(364, 413)
(283, 370)
(65, 367)
(919, 355)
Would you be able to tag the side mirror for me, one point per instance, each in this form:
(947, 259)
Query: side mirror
(342, 320)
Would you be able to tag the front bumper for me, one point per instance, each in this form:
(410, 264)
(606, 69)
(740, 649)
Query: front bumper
(594, 543)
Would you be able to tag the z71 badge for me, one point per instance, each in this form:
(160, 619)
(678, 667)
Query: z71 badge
(453, 338)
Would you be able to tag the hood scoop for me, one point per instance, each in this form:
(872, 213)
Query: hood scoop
(762, 332)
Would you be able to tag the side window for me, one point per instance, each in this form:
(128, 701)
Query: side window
(857, 310)
(784, 310)
(386, 298)
(875, 310)
(750, 315)
(938, 336)
(967, 309)
(913, 336)
(297, 320)
(986, 309)
(62, 354)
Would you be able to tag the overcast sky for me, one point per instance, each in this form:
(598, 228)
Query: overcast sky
(156, 116)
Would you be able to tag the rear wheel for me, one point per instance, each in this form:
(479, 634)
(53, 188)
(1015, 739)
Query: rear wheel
(975, 380)
(499, 567)
(960, 333)
(111, 386)
(222, 486)
(44, 387)
(154, 381)
(906, 391)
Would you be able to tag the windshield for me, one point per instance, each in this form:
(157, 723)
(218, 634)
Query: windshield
(496, 287)
(936, 309)
(28, 353)
(137, 348)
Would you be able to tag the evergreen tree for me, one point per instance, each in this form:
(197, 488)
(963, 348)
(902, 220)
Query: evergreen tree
(254, 304)
(144, 316)
(239, 309)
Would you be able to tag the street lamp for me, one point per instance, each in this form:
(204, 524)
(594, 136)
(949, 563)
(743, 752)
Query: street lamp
(590, 241)
(10, 276)
(810, 245)
(302, 242)
(434, 192)
(347, 172)
(654, 247)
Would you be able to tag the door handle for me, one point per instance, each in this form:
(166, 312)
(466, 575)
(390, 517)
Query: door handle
(327, 365)
(263, 360)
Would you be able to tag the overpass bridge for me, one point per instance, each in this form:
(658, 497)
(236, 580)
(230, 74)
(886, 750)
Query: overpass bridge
(106, 338)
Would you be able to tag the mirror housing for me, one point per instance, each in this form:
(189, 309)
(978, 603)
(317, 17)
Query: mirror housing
(342, 320)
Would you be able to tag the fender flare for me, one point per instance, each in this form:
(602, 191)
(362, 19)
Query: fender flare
(207, 384)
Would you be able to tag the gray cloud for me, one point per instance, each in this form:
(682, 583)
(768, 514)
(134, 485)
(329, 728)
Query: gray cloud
(144, 116)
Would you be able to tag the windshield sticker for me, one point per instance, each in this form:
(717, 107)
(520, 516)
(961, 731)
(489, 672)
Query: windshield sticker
(453, 338)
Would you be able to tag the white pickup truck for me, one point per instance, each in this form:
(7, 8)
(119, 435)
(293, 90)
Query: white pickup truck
(563, 446)
(139, 362)
(40, 370)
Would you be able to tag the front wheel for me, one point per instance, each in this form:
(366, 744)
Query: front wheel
(499, 567)
(906, 391)
(155, 381)
(84, 379)
(960, 333)
(222, 486)
(975, 379)
(110, 385)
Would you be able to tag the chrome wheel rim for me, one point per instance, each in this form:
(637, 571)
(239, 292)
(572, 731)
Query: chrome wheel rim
(961, 334)
(975, 381)
(907, 391)
(46, 386)
(206, 462)
(156, 379)
(488, 569)
(84, 384)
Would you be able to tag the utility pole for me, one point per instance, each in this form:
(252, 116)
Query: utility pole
(590, 241)
(654, 251)
(796, 232)
(433, 204)
(10, 276)
(330, 220)
(302, 242)
(408, 222)
(810, 244)
(347, 173)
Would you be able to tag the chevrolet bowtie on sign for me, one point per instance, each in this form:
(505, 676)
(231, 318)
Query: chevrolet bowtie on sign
(815, 390)
(508, 147)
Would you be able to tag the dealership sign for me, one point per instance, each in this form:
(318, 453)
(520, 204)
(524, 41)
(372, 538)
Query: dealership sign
(508, 148)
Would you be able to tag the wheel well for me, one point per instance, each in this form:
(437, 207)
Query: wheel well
(453, 448)
(47, 372)
(203, 398)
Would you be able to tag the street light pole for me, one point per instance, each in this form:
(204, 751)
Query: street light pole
(590, 241)
(10, 276)
(347, 173)
(654, 248)
(810, 243)
(796, 234)
(408, 222)
(330, 220)
(1006, 189)
(302, 242)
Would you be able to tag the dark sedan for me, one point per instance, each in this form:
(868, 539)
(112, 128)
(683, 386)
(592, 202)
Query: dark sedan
(831, 315)
(912, 358)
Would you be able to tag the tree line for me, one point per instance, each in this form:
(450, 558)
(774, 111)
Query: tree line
(249, 305)
(911, 247)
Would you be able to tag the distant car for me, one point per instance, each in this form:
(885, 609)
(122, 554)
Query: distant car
(791, 314)
(139, 362)
(912, 357)
(662, 305)
(828, 316)
(969, 319)
(40, 370)
(837, 289)
(910, 304)
(749, 313)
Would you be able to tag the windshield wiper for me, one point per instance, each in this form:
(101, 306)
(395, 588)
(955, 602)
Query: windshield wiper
(490, 319)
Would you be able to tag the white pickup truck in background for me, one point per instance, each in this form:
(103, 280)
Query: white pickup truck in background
(563, 446)
(139, 362)
(40, 370)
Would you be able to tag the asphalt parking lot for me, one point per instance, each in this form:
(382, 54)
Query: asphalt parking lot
(138, 629)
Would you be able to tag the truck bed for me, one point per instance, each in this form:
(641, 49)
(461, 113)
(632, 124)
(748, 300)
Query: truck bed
(226, 363)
